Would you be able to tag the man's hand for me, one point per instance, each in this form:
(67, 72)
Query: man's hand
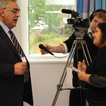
(20, 68)
(50, 48)
(56, 49)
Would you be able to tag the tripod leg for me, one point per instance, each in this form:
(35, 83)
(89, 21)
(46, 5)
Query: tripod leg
(84, 54)
(56, 97)
(59, 86)
(72, 52)
(67, 64)
(88, 53)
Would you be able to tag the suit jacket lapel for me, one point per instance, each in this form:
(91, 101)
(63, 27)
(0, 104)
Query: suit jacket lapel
(5, 37)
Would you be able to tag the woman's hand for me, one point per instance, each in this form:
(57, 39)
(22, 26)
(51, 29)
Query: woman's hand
(81, 75)
(82, 66)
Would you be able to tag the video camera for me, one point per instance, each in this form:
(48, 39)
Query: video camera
(80, 25)
(76, 19)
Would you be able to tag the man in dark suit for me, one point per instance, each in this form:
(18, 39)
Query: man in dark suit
(99, 16)
(15, 83)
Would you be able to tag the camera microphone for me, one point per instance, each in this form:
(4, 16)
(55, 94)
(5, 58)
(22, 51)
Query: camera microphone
(41, 46)
(74, 14)
(66, 11)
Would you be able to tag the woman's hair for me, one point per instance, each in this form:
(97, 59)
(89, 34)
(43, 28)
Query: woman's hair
(102, 27)
(3, 3)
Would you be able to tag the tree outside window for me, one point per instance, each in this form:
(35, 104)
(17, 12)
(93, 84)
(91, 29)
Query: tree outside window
(47, 24)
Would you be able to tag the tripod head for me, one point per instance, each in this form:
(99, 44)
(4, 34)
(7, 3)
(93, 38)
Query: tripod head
(80, 32)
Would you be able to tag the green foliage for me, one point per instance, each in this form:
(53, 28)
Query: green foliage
(34, 48)
(37, 15)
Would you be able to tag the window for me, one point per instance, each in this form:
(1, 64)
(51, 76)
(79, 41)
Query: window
(47, 24)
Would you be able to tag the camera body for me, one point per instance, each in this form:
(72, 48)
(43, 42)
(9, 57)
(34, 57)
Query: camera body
(80, 25)
(79, 22)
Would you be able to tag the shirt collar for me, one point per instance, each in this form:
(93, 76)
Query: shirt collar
(89, 30)
(6, 29)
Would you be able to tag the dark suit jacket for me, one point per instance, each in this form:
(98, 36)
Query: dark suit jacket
(13, 90)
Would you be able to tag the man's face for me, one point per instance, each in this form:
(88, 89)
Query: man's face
(11, 14)
(95, 23)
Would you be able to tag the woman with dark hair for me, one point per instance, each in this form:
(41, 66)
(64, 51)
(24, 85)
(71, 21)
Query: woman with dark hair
(95, 73)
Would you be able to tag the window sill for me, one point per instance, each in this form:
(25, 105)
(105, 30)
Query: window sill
(48, 58)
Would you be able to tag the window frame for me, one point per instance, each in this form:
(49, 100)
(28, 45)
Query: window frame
(24, 31)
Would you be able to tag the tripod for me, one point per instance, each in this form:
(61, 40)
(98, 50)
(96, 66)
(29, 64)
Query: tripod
(76, 43)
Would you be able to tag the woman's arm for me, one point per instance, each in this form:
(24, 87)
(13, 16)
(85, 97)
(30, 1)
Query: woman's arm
(93, 79)
(97, 81)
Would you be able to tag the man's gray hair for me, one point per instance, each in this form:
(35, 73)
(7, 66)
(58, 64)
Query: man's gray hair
(3, 3)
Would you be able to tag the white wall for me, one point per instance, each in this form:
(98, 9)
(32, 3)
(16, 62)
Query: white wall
(45, 76)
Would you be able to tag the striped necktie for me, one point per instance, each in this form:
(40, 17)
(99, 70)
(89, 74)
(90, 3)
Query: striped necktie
(20, 52)
(16, 44)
